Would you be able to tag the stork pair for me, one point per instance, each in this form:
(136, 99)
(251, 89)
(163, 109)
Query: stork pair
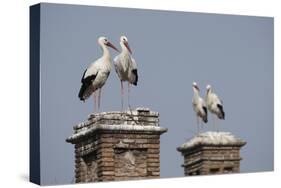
(212, 103)
(97, 73)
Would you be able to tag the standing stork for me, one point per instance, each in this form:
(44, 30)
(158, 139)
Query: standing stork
(199, 105)
(214, 104)
(126, 67)
(96, 74)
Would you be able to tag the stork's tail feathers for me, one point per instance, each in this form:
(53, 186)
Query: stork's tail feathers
(135, 72)
(205, 117)
(221, 115)
(81, 92)
(86, 87)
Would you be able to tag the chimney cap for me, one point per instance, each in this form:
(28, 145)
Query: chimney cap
(212, 139)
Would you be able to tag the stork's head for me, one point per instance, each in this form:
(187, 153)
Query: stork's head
(195, 86)
(208, 87)
(124, 41)
(104, 41)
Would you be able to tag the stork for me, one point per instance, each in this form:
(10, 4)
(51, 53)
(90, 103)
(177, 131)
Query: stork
(96, 74)
(126, 67)
(199, 105)
(214, 104)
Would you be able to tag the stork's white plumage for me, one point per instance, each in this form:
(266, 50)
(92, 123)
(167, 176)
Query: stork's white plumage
(126, 67)
(214, 104)
(96, 74)
(199, 105)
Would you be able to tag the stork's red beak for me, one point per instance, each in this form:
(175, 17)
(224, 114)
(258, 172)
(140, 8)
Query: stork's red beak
(112, 46)
(128, 47)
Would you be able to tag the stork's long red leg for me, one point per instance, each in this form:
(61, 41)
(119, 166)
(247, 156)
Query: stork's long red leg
(217, 124)
(201, 125)
(214, 121)
(129, 95)
(122, 95)
(95, 102)
(197, 122)
(99, 98)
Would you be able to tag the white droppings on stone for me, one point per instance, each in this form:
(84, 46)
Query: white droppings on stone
(139, 120)
(136, 128)
(142, 109)
(212, 138)
(128, 117)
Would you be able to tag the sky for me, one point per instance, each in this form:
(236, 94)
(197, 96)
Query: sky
(172, 49)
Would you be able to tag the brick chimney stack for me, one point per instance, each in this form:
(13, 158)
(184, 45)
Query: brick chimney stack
(211, 153)
(117, 146)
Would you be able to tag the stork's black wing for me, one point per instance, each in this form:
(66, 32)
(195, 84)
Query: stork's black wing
(135, 73)
(86, 82)
(222, 114)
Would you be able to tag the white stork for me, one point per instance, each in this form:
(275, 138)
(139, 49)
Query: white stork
(214, 104)
(126, 67)
(199, 105)
(96, 74)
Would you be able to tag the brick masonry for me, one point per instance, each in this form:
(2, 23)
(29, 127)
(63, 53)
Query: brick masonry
(216, 153)
(113, 146)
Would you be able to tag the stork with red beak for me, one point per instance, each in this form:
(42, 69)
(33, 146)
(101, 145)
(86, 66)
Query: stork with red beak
(199, 106)
(126, 67)
(96, 74)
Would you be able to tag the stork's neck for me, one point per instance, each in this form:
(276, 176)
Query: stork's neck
(209, 91)
(106, 53)
(195, 93)
(125, 50)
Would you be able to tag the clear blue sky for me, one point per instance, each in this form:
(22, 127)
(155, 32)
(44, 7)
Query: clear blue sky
(172, 49)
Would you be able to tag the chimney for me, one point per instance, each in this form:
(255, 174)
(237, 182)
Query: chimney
(211, 153)
(113, 146)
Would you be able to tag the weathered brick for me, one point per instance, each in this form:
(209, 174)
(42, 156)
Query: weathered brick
(155, 164)
(153, 160)
(106, 155)
(153, 169)
(211, 158)
(153, 156)
(103, 163)
(153, 151)
(156, 173)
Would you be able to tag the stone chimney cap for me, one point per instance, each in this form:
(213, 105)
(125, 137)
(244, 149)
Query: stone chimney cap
(136, 116)
(139, 120)
(211, 139)
(134, 112)
(135, 128)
